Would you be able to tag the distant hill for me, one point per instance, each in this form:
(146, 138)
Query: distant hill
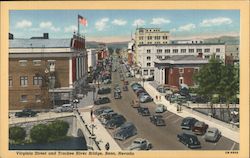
(113, 45)
(224, 39)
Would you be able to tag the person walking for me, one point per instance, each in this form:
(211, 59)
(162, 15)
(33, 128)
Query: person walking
(107, 146)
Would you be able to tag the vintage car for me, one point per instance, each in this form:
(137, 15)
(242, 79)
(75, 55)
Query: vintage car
(199, 128)
(190, 140)
(140, 144)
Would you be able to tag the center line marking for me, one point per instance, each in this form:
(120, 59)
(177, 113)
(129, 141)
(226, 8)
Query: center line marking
(233, 146)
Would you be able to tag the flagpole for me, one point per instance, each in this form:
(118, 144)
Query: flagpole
(78, 32)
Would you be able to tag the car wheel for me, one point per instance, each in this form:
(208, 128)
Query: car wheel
(149, 146)
(187, 145)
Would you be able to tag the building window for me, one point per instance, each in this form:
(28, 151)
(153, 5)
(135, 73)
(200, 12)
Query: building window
(217, 56)
(175, 50)
(167, 57)
(207, 50)
(148, 64)
(207, 56)
(52, 65)
(140, 37)
(159, 57)
(199, 50)
(149, 42)
(237, 48)
(149, 37)
(23, 62)
(191, 50)
(10, 81)
(145, 72)
(37, 80)
(181, 80)
(181, 70)
(157, 42)
(183, 50)
(159, 50)
(164, 37)
(157, 37)
(196, 70)
(171, 71)
(148, 51)
(36, 62)
(217, 49)
(148, 58)
(24, 81)
(24, 98)
(38, 98)
(167, 50)
(151, 72)
(52, 80)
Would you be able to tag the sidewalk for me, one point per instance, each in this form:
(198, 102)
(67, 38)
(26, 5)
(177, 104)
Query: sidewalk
(227, 130)
(102, 135)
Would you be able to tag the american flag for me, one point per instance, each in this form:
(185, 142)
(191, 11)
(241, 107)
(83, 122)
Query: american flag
(82, 20)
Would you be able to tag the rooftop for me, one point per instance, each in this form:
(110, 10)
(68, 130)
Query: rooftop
(40, 43)
(176, 44)
(182, 59)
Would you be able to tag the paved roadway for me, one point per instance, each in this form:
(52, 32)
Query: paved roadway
(162, 138)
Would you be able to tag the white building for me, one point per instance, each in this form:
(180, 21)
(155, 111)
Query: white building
(148, 53)
(92, 58)
(149, 36)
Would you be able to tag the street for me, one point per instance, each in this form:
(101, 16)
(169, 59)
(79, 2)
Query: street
(162, 138)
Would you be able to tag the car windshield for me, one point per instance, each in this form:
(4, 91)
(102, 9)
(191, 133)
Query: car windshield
(137, 142)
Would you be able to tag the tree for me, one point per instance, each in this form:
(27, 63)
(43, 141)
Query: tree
(58, 129)
(17, 133)
(39, 133)
(229, 84)
(111, 50)
(208, 79)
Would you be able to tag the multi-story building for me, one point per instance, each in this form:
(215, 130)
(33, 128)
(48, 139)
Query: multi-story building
(45, 72)
(148, 53)
(131, 51)
(92, 58)
(178, 69)
(148, 36)
(232, 53)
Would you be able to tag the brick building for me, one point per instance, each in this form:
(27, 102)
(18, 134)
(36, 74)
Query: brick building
(178, 69)
(45, 72)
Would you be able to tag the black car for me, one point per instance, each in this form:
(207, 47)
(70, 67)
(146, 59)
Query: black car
(127, 130)
(26, 113)
(190, 140)
(102, 100)
(188, 123)
(115, 122)
(100, 110)
(104, 91)
(144, 111)
(117, 95)
(157, 120)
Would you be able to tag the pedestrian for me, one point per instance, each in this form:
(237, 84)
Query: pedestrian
(107, 146)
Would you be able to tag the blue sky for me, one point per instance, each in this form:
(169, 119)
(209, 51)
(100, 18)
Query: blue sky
(117, 25)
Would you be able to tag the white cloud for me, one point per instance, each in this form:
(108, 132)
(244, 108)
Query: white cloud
(216, 22)
(139, 22)
(23, 24)
(49, 25)
(70, 29)
(159, 21)
(119, 22)
(101, 24)
(187, 27)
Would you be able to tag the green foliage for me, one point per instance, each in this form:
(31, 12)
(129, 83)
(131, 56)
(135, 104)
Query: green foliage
(40, 133)
(17, 134)
(54, 131)
(58, 129)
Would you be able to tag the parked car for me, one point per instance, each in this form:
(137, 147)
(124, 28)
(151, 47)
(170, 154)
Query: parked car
(157, 120)
(139, 91)
(135, 104)
(160, 108)
(104, 118)
(140, 144)
(102, 100)
(107, 81)
(64, 108)
(188, 123)
(115, 122)
(190, 140)
(161, 89)
(125, 131)
(145, 99)
(200, 128)
(26, 113)
(144, 111)
(212, 134)
(125, 88)
(104, 91)
(117, 95)
(100, 110)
